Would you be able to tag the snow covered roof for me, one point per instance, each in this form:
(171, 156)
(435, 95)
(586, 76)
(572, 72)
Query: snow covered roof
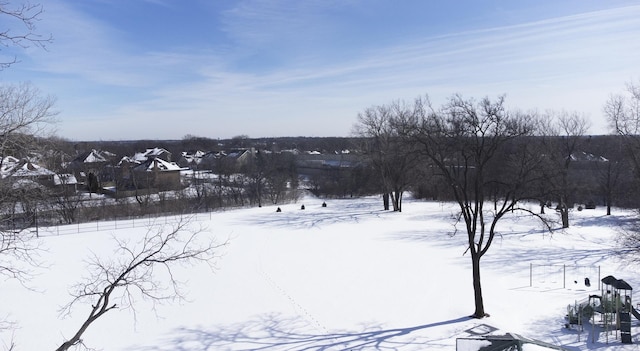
(237, 154)
(196, 153)
(10, 159)
(214, 154)
(193, 156)
(150, 153)
(64, 179)
(291, 151)
(94, 156)
(158, 164)
(127, 159)
(8, 165)
(28, 169)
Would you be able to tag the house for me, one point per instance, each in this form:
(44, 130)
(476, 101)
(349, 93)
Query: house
(27, 170)
(66, 183)
(240, 157)
(191, 159)
(156, 173)
(211, 160)
(93, 168)
(151, 169)
(27, 175)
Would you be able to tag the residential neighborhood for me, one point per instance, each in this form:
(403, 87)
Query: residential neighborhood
(133, 182)
(128, 181)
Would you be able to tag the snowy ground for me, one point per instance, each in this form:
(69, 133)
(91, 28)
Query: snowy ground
(344, 277)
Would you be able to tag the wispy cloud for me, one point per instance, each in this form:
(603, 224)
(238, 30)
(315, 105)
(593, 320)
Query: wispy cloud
(94, 51)
(537, 63)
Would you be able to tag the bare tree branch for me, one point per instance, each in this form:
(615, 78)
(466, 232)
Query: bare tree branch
(19, 255)
(8, 326)
(24, 112)
(140, 270)
(23, 18)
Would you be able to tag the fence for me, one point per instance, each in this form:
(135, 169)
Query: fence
(88, 227)
(564, 276)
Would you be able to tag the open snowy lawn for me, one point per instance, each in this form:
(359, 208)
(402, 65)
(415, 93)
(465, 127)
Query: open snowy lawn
(345, 277)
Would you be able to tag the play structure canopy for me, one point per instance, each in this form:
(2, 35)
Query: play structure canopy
(618, 284)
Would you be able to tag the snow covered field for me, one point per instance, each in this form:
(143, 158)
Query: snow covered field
(348, 276)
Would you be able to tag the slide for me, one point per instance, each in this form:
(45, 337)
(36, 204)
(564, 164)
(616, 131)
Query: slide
(635, 312)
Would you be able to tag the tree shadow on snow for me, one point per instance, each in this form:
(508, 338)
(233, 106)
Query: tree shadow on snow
(315, 218)
(273, 332)
(533, 245)
(614, 220)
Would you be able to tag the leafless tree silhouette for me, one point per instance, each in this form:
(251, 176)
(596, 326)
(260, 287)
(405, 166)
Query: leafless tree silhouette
(22, 32)
(142, 270)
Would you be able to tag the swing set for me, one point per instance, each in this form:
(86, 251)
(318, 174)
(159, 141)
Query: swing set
(563, 276)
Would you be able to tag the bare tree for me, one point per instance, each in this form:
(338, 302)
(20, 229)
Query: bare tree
(623, 114)
(23, 114)
(21, 20)
(142, 270)
(563, 135)
(142, 185)
(281, 177)
(202, 188)
(467, 143)
(623, 110)
(380, 129)
(19, 252)
(255, 173)
(609, 178)
(65, 200)
(229, 186)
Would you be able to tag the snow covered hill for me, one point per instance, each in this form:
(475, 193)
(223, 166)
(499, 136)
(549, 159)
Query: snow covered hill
(348, 276)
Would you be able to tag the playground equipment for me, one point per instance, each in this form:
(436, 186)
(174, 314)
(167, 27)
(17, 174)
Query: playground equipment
(613, 306)
(556, 276)
(616, 300)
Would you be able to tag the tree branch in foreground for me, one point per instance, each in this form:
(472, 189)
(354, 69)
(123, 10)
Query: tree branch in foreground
(140, 270)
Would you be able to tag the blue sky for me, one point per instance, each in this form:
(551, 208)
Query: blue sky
(138, 69)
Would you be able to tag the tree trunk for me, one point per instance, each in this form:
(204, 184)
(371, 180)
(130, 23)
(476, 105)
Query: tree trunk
(397, 201)
(477, 287)
(394, 201)
(564, 214)
(385, 201)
